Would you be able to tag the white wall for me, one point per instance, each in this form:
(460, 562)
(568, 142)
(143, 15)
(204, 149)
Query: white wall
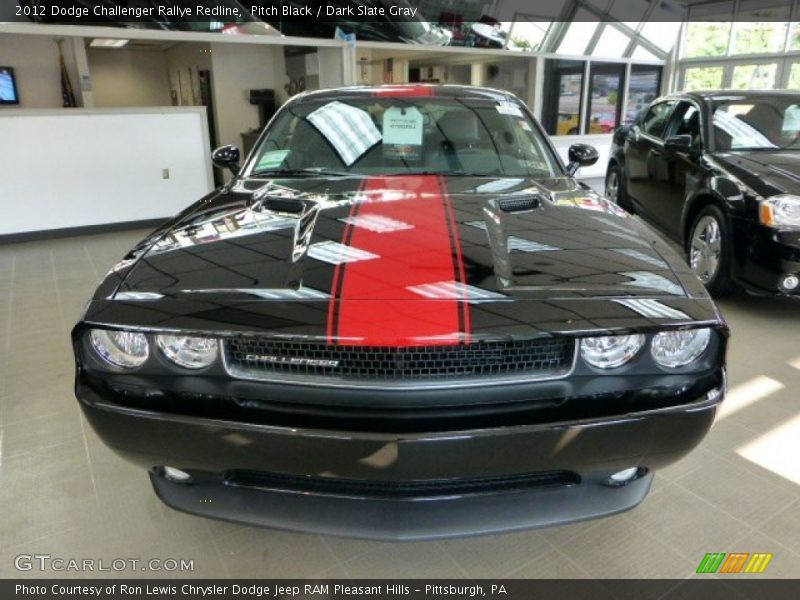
(35, 61)
(92, 167)
(127, 77)
(238, 68)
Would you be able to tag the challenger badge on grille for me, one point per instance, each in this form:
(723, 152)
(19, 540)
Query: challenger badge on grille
(292, 360)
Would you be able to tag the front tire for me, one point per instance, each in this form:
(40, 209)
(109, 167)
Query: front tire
(615, 188)
(709, 250)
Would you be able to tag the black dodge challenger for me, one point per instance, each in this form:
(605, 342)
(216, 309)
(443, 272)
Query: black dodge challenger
(719, 172)
(402, 319)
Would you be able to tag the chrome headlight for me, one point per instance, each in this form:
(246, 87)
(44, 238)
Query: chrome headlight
(780, 211)
(123, 349)
(611, 351)
(189, 352)
(673, 349)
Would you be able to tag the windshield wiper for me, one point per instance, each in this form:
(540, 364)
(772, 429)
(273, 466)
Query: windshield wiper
(309, 172)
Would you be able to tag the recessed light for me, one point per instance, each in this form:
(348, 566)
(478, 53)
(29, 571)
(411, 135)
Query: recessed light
(108, 43)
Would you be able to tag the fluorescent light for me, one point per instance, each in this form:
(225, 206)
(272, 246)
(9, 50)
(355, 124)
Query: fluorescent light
(108, 43)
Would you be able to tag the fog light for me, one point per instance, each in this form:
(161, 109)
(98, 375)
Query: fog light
(790, 282)
(176, 475)
(624, 476)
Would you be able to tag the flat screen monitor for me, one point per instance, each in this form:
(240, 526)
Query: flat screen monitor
(8, 86)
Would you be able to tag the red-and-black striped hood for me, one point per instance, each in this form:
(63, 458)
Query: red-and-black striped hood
(403, 261)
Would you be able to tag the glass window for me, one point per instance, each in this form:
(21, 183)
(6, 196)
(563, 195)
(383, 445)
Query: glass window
(632, 10)
(707, 39)
(663, 34)
(642, 53)
(387, 135)
(703, 78)
(794, 77)
(579, 34)
(709, 29)
(605, 97)
(685, 120)
(612, 43)
(655, 120)
(643, 88)
(761, 26)
(754, 77)
(761, 123)
(562, 107)
(527, 35)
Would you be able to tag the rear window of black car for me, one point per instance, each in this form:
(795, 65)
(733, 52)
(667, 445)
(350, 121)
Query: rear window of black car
(406, 135)
(757, 123)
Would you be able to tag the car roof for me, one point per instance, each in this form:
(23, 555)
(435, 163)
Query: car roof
(407, 90)
(706, 95)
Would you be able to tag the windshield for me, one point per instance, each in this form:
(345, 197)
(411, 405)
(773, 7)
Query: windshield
(757, 124)
(405, 135)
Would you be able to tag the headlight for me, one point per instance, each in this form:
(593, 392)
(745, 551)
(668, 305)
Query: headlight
(124, 349)
(780, 211)
(673, 349)
(189, 352)
(610, 351)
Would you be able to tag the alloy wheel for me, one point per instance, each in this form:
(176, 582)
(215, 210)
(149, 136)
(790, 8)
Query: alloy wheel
(706, 248)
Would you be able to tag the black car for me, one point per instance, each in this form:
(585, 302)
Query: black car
(719, 172)
(402, 319)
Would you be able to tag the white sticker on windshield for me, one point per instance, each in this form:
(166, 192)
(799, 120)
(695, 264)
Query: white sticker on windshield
(349, 130)
(271, 159)
(402, 127)
(509, 108)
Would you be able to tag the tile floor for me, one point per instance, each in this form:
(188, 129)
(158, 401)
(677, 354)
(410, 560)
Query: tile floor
(64, 494)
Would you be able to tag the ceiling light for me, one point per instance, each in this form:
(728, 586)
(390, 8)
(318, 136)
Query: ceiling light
(108, 43)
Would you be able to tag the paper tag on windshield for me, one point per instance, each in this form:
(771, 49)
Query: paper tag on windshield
(402, 127)
(509, 108)
(272, 159)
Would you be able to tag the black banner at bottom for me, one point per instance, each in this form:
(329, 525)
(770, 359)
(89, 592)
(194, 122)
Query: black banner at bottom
(408, 589)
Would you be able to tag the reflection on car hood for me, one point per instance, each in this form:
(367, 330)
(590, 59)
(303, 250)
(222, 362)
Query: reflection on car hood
(575, 243)
(766, 172)
(400, 260)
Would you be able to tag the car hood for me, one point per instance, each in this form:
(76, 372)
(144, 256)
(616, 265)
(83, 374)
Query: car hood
(400, 253)
(766, 172)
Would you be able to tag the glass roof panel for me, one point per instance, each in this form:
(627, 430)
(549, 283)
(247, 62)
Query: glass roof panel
(663, 34)
(612, 43)
(579, 34)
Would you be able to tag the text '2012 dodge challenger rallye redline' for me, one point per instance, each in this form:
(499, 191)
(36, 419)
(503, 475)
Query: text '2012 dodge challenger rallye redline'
(401, 319)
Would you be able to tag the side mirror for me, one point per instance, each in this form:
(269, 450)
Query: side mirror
(581, 155)
(678, 143)
(227, 157)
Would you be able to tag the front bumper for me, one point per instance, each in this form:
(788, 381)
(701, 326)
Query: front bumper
(589, 450)
(770, 256)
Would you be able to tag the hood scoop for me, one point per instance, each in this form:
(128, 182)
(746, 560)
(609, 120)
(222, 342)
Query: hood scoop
(513, 204)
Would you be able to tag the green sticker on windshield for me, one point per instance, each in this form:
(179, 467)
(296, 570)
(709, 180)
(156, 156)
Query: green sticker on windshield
(271, 160)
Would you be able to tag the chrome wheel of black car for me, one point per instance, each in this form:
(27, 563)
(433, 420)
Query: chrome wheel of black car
(615, 188)
(709, 251)
(706, 249)
(612, 187)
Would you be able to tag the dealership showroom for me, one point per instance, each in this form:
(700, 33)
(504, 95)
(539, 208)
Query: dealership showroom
(585, 365)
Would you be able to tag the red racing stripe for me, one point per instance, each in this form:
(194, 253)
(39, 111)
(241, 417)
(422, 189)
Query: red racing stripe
(408, 225)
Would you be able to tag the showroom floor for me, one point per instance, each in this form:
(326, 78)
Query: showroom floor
(64, 494)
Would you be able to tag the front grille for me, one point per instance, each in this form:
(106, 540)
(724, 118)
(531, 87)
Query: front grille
(430, 488)
(263, 358)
